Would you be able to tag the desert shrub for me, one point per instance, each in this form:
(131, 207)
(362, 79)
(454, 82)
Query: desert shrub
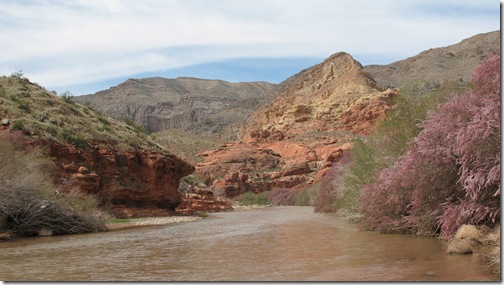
(31, 203)
(136, 128)
(190, 180)
(302, 198)
(68, 97)
(72, 138)
(282, 196)
(325, 197)
(17, 125)
(341, 189)
(250, 198)
(24, 105)
(450, 174)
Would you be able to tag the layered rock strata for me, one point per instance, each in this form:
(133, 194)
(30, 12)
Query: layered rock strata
(137, 183)
(304, 131)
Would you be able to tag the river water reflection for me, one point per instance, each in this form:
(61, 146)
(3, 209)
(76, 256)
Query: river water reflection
(271, 244)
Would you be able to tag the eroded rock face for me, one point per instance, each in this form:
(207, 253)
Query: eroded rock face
(237, 157)
(312, 102)
(317, 113)
(202, 200)
(159, 104)
(306, 129)
(137, 183)
(236, 168)
(361, 118)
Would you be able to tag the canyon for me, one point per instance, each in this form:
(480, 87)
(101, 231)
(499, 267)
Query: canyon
(264, 136)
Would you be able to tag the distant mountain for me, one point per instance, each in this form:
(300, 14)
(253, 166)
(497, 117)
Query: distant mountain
(293, 140)
(316, 101)
(451, 63)
(313, 101)
(205, 107)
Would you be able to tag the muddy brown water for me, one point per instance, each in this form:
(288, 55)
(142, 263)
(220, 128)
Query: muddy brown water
(270, 244)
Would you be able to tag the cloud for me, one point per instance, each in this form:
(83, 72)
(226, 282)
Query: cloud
(62, 43)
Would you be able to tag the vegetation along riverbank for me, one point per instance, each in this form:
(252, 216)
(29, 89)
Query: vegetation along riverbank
(422, 158)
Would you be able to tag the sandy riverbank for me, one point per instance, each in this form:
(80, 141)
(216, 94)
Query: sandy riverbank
(151, 221)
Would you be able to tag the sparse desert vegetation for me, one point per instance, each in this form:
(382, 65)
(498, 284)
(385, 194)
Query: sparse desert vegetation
(31, 204)
(38, 113)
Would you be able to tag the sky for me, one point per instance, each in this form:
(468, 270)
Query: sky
(84, 46)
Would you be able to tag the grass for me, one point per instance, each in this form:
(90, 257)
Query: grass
(41, 114)
(249, 199)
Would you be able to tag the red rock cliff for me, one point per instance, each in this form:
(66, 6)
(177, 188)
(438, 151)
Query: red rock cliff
(294, 140)
(138, 183)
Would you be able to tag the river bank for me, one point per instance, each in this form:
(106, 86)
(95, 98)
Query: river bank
(153, 221)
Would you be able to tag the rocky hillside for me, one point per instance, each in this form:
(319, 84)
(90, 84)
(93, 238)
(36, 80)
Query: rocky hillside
(302, 132)
(294, 139)
(454, 62)
(205, 107)
(99, 154)
(315, 101)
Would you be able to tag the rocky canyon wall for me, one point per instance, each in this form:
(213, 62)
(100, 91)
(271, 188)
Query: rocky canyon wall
(137, 183)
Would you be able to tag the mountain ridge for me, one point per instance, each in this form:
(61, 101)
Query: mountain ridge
(157, 103)
(452, 63)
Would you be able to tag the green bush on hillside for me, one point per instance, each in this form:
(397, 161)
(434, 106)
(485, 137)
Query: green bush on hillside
(188, 181)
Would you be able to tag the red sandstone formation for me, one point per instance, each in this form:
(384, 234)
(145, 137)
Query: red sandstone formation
(292, 141)
(202, 200)
(137, 183)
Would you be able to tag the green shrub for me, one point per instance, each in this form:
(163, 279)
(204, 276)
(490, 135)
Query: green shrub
(302, 198)
(369, 155)
(201, 214)
(17, 125)
(190, 180)
(24, 106)
(52, 130)
(74, 139)
(249, 198)
(68, 97)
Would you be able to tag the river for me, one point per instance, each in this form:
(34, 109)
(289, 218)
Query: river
(270, 244)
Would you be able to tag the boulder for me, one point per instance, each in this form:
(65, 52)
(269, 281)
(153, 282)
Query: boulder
(296, 168)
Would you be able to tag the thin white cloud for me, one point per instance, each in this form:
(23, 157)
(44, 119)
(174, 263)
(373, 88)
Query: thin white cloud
(58, 43)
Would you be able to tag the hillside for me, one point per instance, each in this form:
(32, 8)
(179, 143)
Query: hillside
(43, 115)
(101, 156)
(294, 139)
(451, 63)
(314, 101)
(204, 107)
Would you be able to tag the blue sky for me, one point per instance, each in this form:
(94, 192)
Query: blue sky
(84, 46)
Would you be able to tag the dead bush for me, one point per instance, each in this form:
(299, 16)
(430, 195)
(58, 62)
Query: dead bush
(31, 203)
